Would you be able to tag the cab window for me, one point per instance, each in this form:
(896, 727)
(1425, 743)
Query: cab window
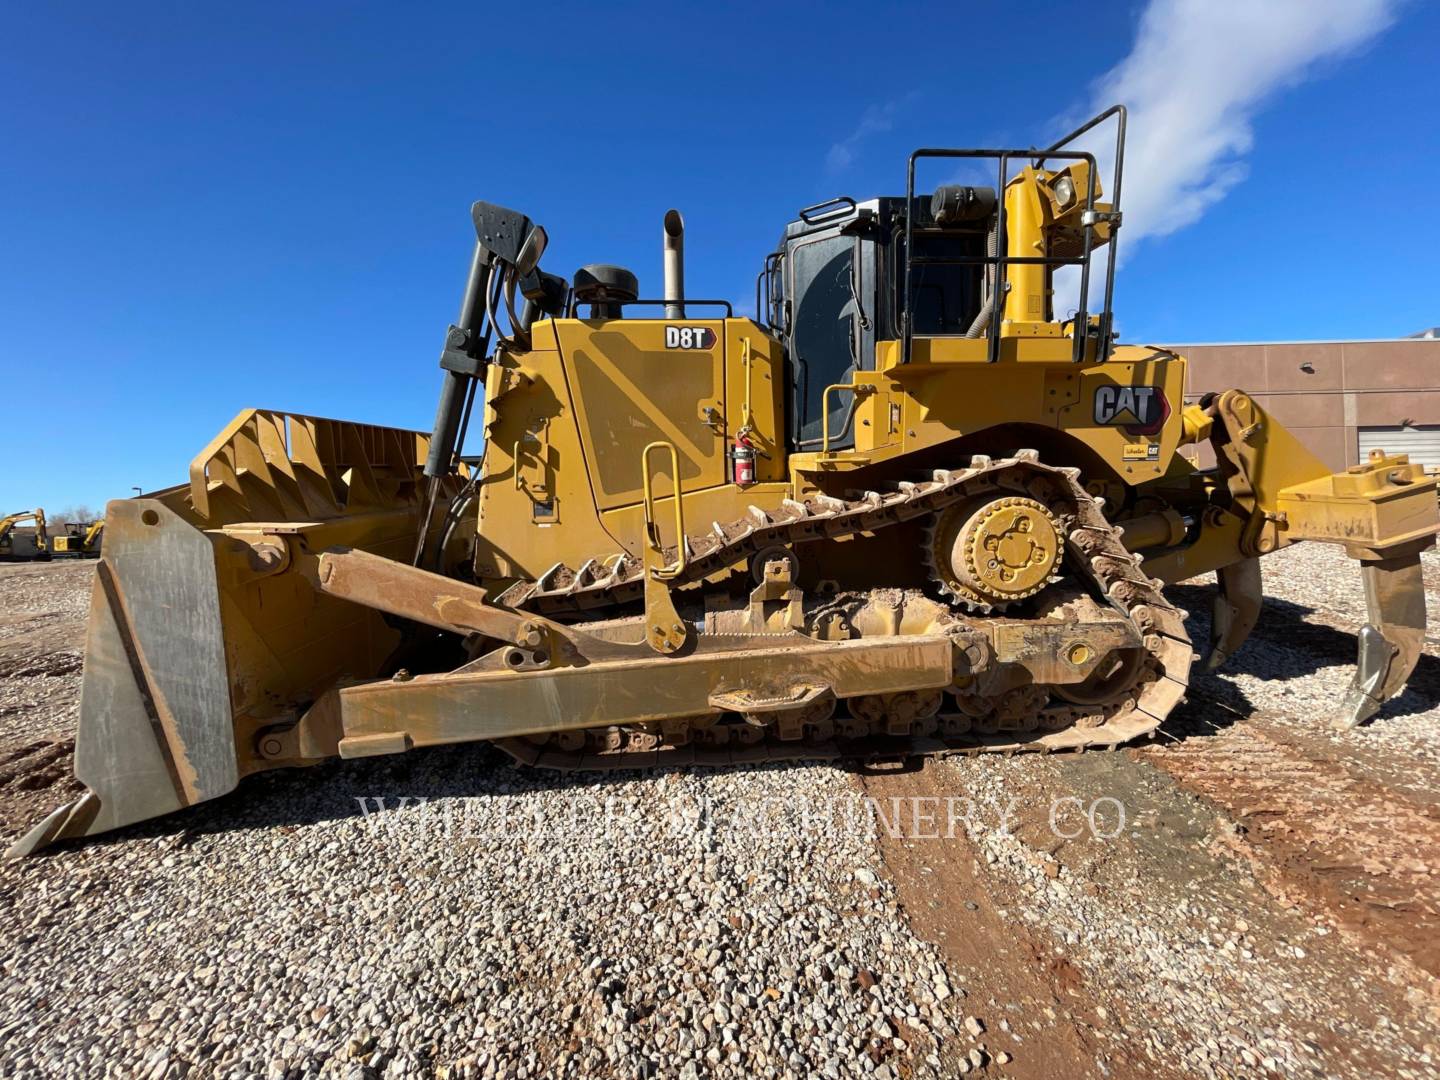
(823, 325)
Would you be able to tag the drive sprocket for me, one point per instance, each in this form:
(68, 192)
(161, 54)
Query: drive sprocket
(995, 550)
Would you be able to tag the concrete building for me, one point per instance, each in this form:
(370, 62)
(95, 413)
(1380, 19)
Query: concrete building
(1342, 398)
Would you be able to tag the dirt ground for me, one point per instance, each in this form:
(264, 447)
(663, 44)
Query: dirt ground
(42, 637)
(1272, 903)
(1249, 894)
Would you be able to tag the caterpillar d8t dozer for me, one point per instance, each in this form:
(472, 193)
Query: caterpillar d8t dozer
(905, 510)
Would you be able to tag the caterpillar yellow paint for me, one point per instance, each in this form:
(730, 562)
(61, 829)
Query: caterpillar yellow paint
(900, 506)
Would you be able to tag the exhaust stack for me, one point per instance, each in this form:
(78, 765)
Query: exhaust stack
(674, 265)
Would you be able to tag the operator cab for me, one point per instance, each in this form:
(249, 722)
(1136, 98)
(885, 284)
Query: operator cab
(833, 287)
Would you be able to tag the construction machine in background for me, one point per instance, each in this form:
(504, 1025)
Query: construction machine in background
(905, 509)
(9, 551)
(80, 540)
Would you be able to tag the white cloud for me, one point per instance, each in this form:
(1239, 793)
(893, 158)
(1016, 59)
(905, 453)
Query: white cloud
(1198, 73)
(875, 120)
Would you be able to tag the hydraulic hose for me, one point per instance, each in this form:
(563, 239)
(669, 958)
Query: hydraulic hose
(987, 309)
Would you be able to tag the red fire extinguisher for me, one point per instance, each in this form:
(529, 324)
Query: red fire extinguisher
(743, 455)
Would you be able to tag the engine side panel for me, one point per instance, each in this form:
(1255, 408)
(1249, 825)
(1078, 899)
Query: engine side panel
(568, 421)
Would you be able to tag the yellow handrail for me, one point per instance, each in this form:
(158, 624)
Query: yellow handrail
(745, 362)
(652, 531)
(855, 388)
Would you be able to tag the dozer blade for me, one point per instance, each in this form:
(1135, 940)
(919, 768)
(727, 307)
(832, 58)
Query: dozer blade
(202, 637)
(155, 730)
(1392, 638)
(1238, 596)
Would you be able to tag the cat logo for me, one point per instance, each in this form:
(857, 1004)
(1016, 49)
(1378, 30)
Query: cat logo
(689, 337)
(1138, 410)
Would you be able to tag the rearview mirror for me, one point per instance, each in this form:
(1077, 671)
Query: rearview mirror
(531, 250)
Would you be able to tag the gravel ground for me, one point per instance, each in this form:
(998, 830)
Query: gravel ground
(42, 614)
(514, 923)
(523, 928)
(1195, 963)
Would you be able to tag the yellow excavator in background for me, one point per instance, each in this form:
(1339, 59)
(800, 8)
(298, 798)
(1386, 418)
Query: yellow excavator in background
(906, 509)
(8, 550)
(81, 540)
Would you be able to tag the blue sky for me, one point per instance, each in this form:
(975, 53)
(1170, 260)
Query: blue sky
(205, 208)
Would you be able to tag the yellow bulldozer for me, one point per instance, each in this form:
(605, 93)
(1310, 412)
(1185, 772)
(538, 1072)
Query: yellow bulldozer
(905, 509)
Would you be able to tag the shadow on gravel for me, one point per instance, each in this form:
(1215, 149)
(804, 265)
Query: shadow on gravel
(1283, 646)
(288, 799)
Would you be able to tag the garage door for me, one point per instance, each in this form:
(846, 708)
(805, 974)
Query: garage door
(1421, 443)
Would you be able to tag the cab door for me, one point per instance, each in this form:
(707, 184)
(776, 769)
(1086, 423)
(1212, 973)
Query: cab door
(831, 331)
(638, 381)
